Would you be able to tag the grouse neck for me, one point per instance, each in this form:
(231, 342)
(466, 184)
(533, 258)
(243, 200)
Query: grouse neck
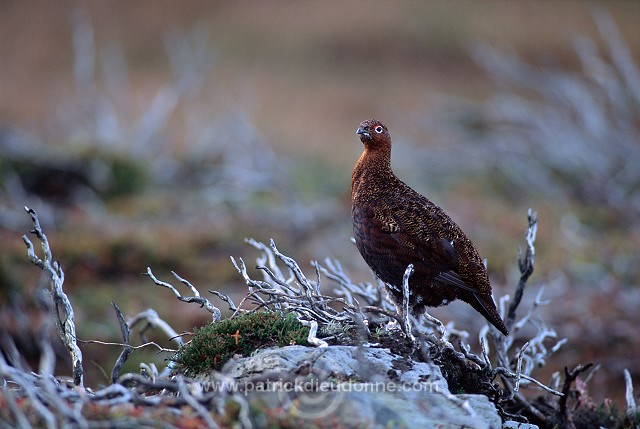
(375, 161)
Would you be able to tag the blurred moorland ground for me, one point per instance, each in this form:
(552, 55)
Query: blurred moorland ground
(163, 133)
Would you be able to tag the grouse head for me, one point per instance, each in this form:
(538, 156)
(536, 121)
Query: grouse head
(374, 134)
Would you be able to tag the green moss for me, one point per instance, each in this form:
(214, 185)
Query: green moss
(213, 345)
(128, 177)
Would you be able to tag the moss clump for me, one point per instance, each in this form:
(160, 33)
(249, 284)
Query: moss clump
(213, 345)
(128, 177)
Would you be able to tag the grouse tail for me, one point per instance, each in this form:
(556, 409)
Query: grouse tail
(485, 305)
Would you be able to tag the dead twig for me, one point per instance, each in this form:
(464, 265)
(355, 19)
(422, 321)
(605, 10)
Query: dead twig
(204, 302)
(569, 378)
(61, 304)
(406, 322)
(526, 263)
(126, 351)
(631, 410)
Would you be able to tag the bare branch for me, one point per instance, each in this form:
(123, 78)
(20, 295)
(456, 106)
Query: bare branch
(204, 302)
(151, 319)
(570, 377)
(632, 410)
(225, 298)
(516, 387)
(466, 350)
(313, 330)
(47, 357)
(406, 322)
(526, 264)
(61, 304)
(141, 346)
(126, 351)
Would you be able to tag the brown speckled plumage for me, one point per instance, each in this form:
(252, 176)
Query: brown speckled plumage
(395, 226)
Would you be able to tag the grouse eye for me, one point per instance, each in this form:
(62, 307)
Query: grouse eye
(378, 129)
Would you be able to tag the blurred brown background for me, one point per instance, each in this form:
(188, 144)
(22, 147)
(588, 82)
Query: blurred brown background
(161, 134)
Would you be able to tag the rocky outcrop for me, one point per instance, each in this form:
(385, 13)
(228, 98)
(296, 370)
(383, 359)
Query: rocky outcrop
(355, 387)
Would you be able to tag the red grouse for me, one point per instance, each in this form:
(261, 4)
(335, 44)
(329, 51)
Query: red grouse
(395, 226)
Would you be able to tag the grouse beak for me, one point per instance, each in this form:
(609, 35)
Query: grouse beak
(362, 132)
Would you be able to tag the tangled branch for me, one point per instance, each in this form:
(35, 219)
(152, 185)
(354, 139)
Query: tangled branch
(285, 287)
(196, 295)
